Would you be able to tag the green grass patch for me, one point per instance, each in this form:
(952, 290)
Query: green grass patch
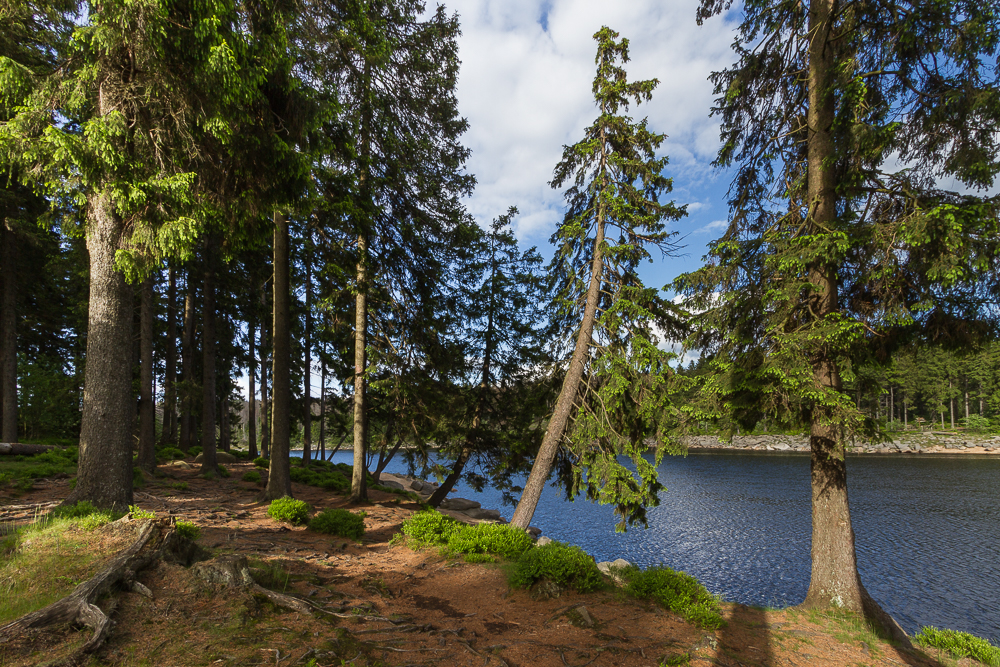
(960, 645)
(562, 564)
(677, 591)
(21, 470)
(180, 486)
(261, 462)
(430, 527)
(339, 522)
(251, 476)
(295, 512)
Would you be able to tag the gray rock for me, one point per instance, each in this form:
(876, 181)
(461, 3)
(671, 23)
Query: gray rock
(220, 457)
(782, 447)
(482, 515)
(459, 504)
(393, 484)
(225, 571)
(542, 541)
(580, 617)
(546, 590)
(534, 531)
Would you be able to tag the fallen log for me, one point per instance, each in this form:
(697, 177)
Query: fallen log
(156, 540)
(23, 448)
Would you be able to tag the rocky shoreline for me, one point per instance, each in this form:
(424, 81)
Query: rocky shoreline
(928, 442)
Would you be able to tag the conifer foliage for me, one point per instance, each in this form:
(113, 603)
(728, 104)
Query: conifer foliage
(831, 246)
(618, 384)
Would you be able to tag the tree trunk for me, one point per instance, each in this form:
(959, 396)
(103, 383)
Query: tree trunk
(265, 411)
(104, 471)
(147, 412)
(279, 481)
(571, 386)
(835, 581)
(225, 436)
(307, 362)
(951, 402)
(322, 409)
(209, 462)
(8, 336)
(187, 365)
(965, 392)
(359, 489)
(252, 394)
(168, 434)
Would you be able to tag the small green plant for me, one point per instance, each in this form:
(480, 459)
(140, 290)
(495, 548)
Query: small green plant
(223, 472)
(339, 522)
(295, 512)
(430, 527)
(501, 539)
(977, 423)
(478, 558)
(187, 530)
(960, 645)
(561, 564)
(138, 478)
(677, 591)
(208, 475)
(261, 462)
(180, 486)
(251, 476)
(139, 513)
(85, 515)
(169, 454)
(194, 451)
(678, 660)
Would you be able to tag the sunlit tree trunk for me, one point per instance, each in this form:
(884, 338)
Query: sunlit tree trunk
(279, 482)
(168, 433)
(147, 412)
(187, 365)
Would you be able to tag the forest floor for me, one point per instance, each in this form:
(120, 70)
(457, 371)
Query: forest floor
(392, 605)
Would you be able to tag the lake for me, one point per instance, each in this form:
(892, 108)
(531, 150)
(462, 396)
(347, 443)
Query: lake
(927, 530)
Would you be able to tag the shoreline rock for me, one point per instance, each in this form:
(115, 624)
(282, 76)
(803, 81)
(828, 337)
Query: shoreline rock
(929, 442)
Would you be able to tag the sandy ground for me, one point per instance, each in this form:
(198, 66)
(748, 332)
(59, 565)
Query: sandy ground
(386, 604)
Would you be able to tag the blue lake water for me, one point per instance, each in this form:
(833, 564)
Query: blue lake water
(927, 530)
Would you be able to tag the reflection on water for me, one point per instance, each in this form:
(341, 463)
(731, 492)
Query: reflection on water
(927, 530)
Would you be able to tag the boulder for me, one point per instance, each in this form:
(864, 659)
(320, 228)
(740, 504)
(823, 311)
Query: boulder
(542, 541)
(483, 515)
(534, 531)
(392, 484)
(459, 504)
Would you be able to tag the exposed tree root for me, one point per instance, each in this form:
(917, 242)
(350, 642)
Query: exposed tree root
(156, 540)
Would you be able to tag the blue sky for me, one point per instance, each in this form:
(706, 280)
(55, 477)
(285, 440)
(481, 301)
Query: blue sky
(525, 87)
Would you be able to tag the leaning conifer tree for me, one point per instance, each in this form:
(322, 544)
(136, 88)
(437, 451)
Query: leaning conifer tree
(832, 248)
(618, 384)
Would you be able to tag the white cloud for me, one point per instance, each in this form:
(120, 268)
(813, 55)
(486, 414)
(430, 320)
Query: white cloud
(526, 91)
(713, 227)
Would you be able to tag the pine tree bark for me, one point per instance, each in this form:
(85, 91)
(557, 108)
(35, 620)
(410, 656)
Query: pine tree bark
(279, 481)
(322, 409)
(8, 337)
(187, 365)
(168, 434)
(835, 581)
(209, 463)
(307, 362)
(104, 471)
(265, 406)
(252, 405)
(147, 412)
(540, 470)
(359, 486)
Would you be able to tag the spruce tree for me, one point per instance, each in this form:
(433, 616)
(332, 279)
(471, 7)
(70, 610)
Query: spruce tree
(618, 386)
(830, 246)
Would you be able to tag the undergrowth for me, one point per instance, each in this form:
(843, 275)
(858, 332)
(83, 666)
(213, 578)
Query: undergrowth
(20, 471)
(562, 564)
(339, 522)
(295, 512)
(960, 645)
(430, 527)
(677, 591)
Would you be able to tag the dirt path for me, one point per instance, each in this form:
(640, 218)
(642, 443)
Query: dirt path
(387, 604)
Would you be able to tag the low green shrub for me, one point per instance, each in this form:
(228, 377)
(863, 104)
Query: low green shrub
(430, 527)
(139, 513)
(180, 486)
(209, 475)
(261, 462)
(339, 522)
(561, 564)
(251, 476)
(194, 451)
(169, 454)
(501, 539)
(478, 558)
(677, 591)
(295, 512)
(187, 530)
(223, 472)
(960, 645)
